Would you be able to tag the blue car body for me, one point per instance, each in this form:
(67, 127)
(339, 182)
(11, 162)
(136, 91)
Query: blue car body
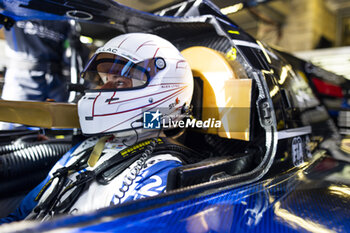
(276, 196)
(314, 198)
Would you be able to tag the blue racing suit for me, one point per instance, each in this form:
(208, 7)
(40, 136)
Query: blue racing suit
(150, 180)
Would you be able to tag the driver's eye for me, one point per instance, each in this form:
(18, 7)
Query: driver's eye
(120, 83)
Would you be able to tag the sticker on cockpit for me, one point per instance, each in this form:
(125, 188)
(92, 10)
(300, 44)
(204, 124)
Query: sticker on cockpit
(297, 151)
(307, 147)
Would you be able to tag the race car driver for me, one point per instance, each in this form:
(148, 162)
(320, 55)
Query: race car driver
(136, 80)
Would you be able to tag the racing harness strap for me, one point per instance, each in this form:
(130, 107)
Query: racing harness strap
(105, 173)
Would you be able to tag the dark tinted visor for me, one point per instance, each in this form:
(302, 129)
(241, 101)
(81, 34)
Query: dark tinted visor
(109, 71)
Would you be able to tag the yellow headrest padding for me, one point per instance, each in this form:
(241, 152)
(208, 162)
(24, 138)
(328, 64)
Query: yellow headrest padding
(225, 96)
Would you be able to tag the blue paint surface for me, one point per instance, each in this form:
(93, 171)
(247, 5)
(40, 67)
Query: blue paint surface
(315, 198)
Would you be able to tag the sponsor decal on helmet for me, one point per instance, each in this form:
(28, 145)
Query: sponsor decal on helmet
(117, 51)
(176, 102)
(109, 50)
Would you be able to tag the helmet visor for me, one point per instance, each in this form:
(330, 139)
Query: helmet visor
(107, 71)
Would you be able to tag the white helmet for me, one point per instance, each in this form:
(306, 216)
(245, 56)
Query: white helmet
(132, 74)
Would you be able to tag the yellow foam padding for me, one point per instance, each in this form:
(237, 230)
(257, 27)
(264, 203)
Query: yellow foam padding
(40, 114)
(97, 151)
(2, 35)
(225, 96)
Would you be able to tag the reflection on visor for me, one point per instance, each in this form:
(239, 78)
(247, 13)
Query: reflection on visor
(109, 71)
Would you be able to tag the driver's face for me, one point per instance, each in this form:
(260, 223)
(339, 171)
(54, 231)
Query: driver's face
(117, 82)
